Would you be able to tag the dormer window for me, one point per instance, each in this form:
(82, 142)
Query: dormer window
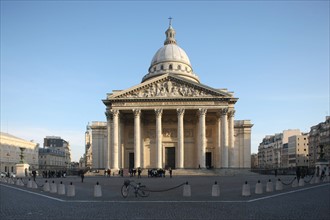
(154, 68)
(161, 67)
(170, 67)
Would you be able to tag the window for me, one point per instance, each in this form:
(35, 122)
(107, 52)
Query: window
(161, 67)
(179, 67)
(170, 67)
(154, 68)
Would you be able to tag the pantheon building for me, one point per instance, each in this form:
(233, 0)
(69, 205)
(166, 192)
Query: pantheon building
(173, 120)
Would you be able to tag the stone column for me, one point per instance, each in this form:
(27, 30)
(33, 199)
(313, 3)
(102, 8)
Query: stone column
(224, 137)
(159, 134)
(115, 132)
(233, 154)
(180, 147)
(202, 137)
(121, 141)
(219, 149)
(109, 126)
(137, 137)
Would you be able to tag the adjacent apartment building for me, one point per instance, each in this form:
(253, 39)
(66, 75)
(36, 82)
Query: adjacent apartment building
(273, 151)
(293, 148)
(55, 154)
(319, 135)
(298, 151)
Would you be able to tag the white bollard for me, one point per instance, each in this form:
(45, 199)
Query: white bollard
(279, 185)
(11, 181)
(19, 182)
(34, 185)
(97, 190)
(215, 189)
(53, 187)
(71, 190)
(186, 190)
(29, 184)
(61, 189)
(269, 186)
(259, 189)
(246, 191)
(295, 183)
(317, 179)
(46, 187)
(301, 182)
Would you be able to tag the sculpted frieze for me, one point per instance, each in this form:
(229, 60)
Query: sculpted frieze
(173, 133)
(167, 89)
(188, 133)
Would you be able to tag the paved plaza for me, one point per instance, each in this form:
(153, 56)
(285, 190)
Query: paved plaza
(311, 201)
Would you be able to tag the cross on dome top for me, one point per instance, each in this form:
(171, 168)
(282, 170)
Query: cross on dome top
(170, 18)
(170, 34)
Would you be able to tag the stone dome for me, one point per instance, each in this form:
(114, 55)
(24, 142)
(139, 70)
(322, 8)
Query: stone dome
(171, 59)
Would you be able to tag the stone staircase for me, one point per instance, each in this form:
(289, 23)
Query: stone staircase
(212, 172)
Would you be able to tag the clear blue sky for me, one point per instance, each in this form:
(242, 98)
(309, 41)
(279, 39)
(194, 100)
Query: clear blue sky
(59, 59)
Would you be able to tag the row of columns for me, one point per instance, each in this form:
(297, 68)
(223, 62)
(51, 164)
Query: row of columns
(225, 138)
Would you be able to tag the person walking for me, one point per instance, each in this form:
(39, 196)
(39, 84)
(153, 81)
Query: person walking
(298, 173)
(82, 176)
(170, 171)
(139, 172)
(34, 174)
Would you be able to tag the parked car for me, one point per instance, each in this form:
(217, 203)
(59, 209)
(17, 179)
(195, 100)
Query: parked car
(12, 174)
(3, 174)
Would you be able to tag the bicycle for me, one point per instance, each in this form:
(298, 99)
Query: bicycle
(139, 189)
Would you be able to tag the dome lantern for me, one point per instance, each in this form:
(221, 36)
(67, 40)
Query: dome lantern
(170, 34)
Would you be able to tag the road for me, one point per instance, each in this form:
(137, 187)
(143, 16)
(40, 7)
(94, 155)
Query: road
(311, 201)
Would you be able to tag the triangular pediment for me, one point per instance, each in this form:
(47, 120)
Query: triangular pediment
(169, 86)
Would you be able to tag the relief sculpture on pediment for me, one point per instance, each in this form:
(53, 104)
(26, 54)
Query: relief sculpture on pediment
(167, 89)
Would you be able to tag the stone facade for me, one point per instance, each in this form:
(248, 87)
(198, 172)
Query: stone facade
(172, 120)
(96, 138)
(10, 152)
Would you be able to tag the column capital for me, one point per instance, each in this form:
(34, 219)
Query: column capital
(201, 111)
(108, 114)
(223, 111)
(137, 112)
(231, 113)
(180, 111)
(114, 112)
(159, 112)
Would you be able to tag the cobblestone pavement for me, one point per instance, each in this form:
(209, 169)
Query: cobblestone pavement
(311, 201)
